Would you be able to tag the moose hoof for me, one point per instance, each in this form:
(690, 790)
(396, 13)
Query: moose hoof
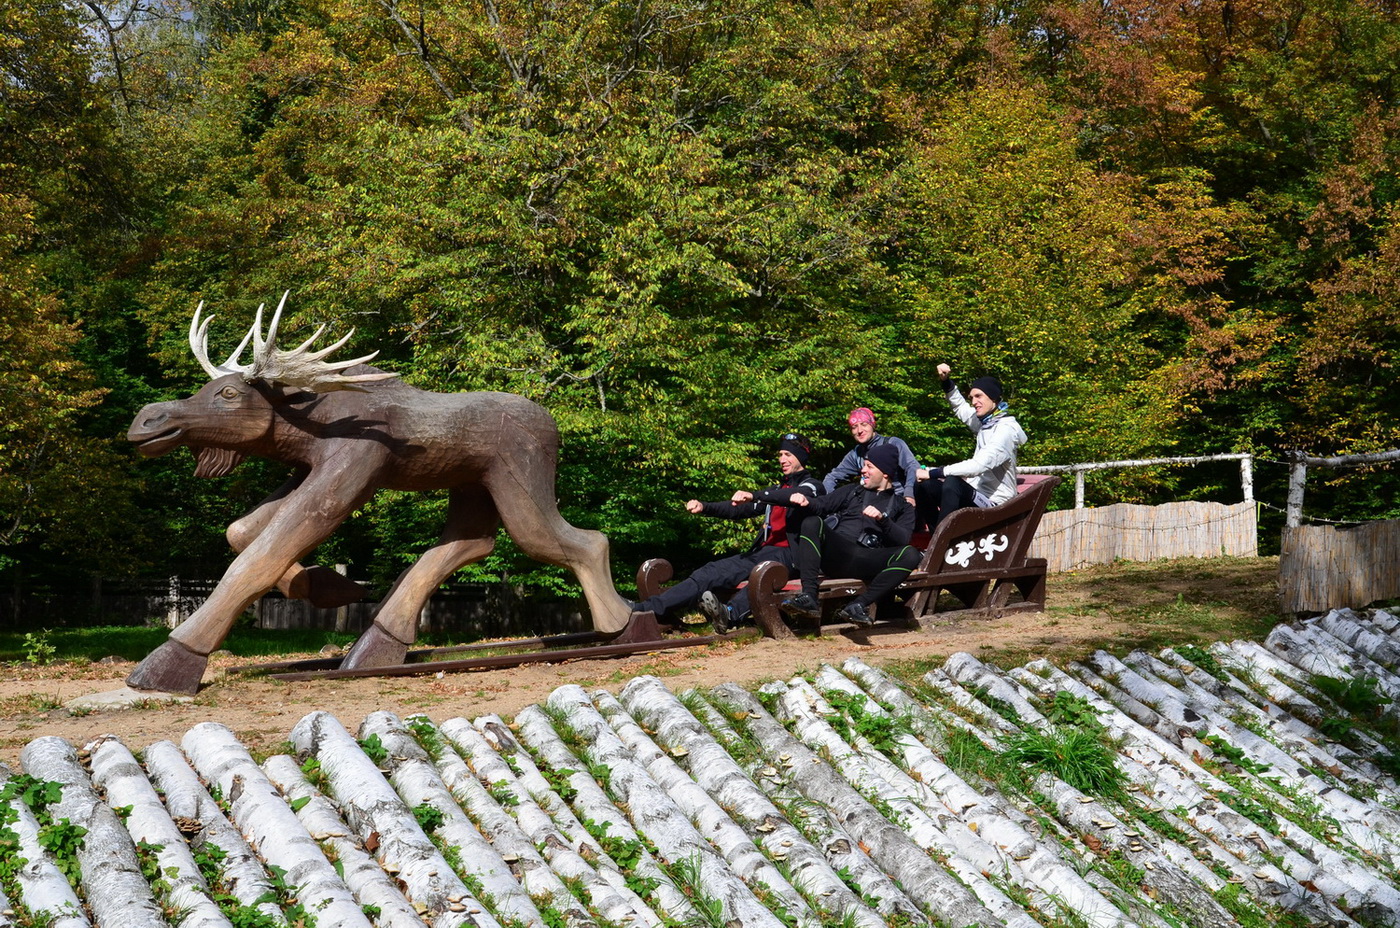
(170, 668)
(376, 648)
(324, 588)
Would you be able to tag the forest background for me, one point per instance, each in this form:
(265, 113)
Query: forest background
(686, 226)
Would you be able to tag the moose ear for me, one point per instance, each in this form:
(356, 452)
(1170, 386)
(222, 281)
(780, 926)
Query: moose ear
(215, 462)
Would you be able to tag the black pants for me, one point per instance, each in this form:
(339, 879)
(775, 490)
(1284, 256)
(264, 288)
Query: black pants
(936, 499)
(821, 551)
(723, 575)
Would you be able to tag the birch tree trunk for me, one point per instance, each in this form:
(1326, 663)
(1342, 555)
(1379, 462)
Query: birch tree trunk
(43, 889)
(369, 882)
(270, 827)
(115, 891)
(721, 777)
(379, 816)
(934, 888)
(419, 782)
(654, 813)
(608, 895)
(117, 773)
(536, 731)
(961, 850)
(936, 790)
(241, 874)
(744, 856)
(841, 849)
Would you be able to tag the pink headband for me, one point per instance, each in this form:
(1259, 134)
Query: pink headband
(861, 414)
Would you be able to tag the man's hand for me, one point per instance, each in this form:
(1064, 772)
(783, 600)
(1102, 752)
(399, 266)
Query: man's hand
(943, 371)
(797, 499)
(694, 506)
(741, 496)
(872, 512)
(910, 500)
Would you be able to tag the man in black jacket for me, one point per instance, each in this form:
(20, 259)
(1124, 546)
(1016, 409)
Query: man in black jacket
(860, 530)
(776, 540)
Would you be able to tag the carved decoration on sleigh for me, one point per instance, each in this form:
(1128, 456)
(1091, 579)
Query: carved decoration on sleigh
(348, 430)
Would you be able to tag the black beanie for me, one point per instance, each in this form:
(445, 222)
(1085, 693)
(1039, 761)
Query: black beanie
(886, 457)
(988, 385)
(800, 447)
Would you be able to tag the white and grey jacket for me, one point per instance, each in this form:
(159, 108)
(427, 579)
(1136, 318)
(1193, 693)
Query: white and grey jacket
(992, 468)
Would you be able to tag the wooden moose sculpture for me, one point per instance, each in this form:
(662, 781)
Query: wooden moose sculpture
(348, 430)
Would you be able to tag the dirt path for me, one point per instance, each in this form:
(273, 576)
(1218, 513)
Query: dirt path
(1115, 607)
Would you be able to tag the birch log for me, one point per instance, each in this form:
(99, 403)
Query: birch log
(941, 895)
(1149, 764)
(369, 882)
(937, 789)
(478, 819)
(538, 732)
(710, 765)
(963, 851)
(43, 889)
(654, 813)
(116, 772)
(706, 815)
(115, 891)
(1174, 874)
(608, 894)
(270, 827)
(1367, 824)
(841, 850)
(380, 817)
(241, 874)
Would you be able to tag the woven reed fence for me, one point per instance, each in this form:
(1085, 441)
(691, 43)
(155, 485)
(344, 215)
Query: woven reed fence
(1324, 567)
(1074, 538)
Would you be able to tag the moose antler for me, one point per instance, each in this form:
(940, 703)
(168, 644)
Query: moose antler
(299, 367)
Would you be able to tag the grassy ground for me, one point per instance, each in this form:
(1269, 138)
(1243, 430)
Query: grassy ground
(1162, 603)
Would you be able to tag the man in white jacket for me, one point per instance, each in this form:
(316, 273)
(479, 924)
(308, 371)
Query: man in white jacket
(988, 478)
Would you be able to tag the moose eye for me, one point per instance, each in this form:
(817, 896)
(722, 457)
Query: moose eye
(229, 393)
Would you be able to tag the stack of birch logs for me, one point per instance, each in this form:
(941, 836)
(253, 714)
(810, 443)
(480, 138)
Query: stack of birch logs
(1252, 784)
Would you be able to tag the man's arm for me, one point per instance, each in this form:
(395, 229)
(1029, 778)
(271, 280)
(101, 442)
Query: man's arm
(848, 468)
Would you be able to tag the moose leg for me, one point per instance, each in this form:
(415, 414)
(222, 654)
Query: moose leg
(526, 503)
(321, 586)
(305, 520)
(469, 535)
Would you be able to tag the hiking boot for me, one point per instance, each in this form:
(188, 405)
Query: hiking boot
(717, 612)
(855, 613)
(804, 605)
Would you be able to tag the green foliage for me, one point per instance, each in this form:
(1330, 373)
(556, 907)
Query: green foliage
(429, 818)
(1079, 757)
(1357, 695)
(62, 840)
(374, 749)
(1202, 659)
(880, 728)
(656, 221)
(1229, 753)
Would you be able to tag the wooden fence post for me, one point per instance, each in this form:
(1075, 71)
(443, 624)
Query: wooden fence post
(1297, 477)
(1247, 477)
(1079, 489)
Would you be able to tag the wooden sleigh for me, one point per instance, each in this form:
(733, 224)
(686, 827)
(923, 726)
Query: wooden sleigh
(976, 556)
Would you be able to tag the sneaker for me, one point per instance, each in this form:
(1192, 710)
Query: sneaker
(716, 611)
(855, 613)
(803, 604)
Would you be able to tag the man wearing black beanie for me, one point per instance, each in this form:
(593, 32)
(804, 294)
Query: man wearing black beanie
(776, 540)
(859, 530)
(988, 478)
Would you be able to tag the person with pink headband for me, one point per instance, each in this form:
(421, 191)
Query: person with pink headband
(862, 422)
